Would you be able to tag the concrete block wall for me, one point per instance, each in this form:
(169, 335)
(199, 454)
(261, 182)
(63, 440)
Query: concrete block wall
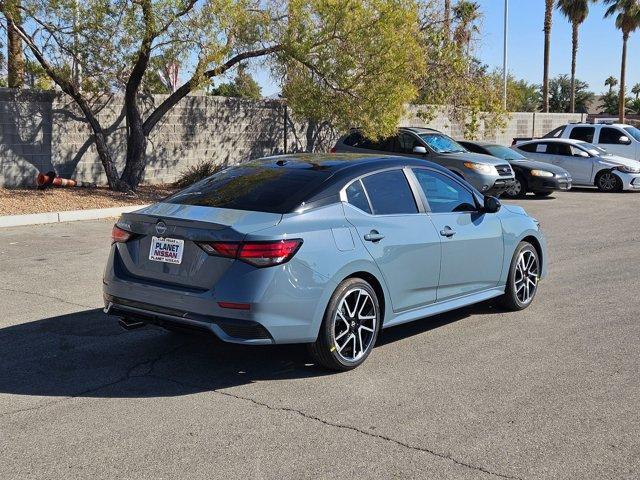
(44, 131)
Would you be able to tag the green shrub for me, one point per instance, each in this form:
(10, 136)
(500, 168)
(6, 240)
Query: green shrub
(197, 172)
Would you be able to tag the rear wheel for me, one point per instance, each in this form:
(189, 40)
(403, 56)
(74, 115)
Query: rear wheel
(607, 181)
(518, 189)
(524, 274)
(350, 326)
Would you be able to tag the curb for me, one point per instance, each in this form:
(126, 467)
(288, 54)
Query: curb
(65, 216)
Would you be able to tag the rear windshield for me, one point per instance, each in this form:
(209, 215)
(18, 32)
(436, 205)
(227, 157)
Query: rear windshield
(255, 188)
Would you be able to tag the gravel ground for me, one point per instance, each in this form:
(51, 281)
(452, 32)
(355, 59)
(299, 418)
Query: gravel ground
(17, 201)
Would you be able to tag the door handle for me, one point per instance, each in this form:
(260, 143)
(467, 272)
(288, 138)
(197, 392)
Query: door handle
(373, 236)
(447, 232)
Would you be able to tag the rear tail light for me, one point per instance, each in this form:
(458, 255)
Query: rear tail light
(259, 254)
(119, 235)
(333, 150)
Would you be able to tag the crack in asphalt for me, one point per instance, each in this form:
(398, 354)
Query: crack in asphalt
(51, 297)
(351, 428)
(148, 372)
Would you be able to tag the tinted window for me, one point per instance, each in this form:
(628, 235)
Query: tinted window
(555, 133)
(356, 139)
(582, 133)
(611, 136)
(529, 147)
(444, 194)
(406, 143)
(256, 188)
(390, 193)
(357, 197)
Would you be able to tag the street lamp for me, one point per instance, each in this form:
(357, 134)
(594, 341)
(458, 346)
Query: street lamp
(504, 54)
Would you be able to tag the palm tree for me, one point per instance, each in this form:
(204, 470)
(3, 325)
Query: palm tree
(548, 17)
(15, 56)
(466, 14)
(627, 14)
(576, 12)
(611, 82)
(447, 19)
(636, 90)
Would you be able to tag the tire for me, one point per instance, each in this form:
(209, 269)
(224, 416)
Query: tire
(542, 194)
(351, 316)
(607, 181)
(519, 295)
(518, 189)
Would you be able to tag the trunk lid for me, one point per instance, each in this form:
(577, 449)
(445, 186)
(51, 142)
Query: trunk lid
(188, 224)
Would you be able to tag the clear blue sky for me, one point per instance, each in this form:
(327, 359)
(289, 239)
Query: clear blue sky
(598, 54)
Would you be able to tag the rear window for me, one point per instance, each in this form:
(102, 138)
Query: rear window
(390, 193)
(582, 133)
(255, 188)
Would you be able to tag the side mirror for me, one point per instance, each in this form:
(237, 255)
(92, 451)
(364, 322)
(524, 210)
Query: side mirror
(491, 205)
(624, 140)
(419, 149)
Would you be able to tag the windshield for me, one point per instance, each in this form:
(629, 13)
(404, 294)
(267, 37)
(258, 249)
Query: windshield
(593, 150)
(441, 143)
(503, 152)
(634, 132)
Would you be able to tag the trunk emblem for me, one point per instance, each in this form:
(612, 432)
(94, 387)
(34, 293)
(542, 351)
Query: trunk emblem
(161, 227)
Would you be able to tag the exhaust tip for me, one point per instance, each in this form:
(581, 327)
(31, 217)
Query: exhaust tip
(130, 324)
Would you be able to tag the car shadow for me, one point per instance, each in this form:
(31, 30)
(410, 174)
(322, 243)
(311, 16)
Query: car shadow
(86, 354)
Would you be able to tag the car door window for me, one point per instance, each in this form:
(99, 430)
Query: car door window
(529, 147)
(407, 142)
(578, 152)
(390, 193)
(357, 197)
(582, 133)
(563, 149)
(611, 136)
(444, 194)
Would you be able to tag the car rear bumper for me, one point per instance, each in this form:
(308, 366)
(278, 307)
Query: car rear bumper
(284, 304)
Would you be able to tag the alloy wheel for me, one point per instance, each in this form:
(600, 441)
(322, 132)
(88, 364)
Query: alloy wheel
(526, 276)
(354, 324)
(608, 181)
(515, 189)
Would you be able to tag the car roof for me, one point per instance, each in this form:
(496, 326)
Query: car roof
(479, 143)
(340, 168)
(571, 141)
(420, 129)
(602, 124)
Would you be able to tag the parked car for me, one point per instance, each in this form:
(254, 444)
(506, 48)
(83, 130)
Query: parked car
(487, 174)
(587, 164)
(324, 250)
(616, 138)
(531, 176)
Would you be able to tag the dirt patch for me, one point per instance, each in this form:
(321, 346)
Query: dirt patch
(17, 201)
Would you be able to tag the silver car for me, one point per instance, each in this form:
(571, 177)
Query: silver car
(324, 250)
(588, 164)
(487, 174)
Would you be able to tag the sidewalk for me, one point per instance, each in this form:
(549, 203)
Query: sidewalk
(65, 216)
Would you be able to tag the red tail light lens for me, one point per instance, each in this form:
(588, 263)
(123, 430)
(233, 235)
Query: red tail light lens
(119, 235)
(333, 150)
(259, 254)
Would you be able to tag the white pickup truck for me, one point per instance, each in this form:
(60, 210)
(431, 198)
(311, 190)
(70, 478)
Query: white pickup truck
(616, 138)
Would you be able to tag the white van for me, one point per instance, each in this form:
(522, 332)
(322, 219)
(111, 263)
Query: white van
(616, 138)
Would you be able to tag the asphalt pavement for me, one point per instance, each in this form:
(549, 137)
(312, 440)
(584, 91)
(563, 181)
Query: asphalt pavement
(551, 392)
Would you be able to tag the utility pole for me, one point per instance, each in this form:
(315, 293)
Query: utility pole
(504, 54)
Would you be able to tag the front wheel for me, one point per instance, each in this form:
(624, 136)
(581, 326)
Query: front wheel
(608, 181)
(518, 188)
(350, 326)
(524, 274)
